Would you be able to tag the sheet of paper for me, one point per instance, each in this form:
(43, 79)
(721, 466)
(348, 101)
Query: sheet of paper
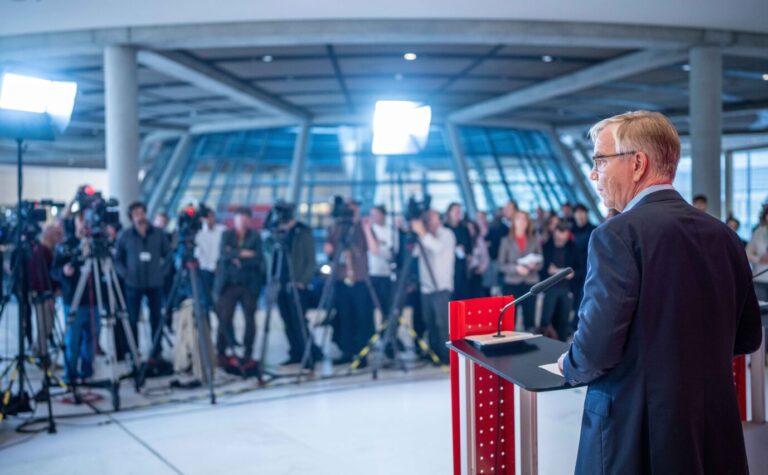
(552, 368)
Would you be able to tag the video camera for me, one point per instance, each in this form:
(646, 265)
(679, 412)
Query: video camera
(190, 221)
(417, 209)
(342, 210)
(281, 213)
(32, 214)
(97, 211)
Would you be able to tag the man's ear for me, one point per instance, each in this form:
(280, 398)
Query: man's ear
(641, 165)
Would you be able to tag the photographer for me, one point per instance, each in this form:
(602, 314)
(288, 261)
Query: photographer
(381, 251)
(208, 247)
(142, 258)
(354, 323)
(436, 269)
(239, 278)
(82, 330)
(297, 267)
(41, 287)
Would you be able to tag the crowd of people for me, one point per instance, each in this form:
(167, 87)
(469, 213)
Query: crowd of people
(453, 257)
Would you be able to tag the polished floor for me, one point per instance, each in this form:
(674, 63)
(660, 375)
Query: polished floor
(346, 424)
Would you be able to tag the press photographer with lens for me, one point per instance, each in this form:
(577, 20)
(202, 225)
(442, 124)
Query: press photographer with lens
(142, 259)
(347, 246)
(292, 267)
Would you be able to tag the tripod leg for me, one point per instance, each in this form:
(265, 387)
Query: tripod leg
(118, 312)
(203, 334)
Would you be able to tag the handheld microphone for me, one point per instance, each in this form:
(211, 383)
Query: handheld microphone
(535, 290)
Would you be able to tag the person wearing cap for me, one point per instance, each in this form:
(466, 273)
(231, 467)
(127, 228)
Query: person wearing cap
(239, 279)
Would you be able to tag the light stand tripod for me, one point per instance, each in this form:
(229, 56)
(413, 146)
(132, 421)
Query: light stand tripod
(189, 274)
(17, 366)
(99, 266)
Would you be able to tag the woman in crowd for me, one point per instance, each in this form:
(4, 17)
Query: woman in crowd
(520, 261)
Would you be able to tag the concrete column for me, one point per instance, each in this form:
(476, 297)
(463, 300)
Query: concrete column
(121, 109)
(706, 84)
(297, 165)
(728, 183)
(460, 165)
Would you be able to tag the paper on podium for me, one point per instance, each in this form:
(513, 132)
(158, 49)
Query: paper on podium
(552, 368)
(491, 340)
(531, 260)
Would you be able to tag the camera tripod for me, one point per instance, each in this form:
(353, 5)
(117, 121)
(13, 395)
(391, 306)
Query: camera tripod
(386, 337)
(327, 302)
(99, 266)
(189, 276)
(279, 255)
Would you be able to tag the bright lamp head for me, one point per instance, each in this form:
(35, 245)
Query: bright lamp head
(40, 96)
(400, 127)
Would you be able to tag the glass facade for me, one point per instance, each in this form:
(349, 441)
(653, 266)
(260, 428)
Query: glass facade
(253, 167)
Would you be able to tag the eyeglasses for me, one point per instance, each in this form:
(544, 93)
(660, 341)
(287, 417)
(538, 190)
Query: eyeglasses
(600, 161)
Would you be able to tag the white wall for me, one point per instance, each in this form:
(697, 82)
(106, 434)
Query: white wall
(57, 183)
(19, 17)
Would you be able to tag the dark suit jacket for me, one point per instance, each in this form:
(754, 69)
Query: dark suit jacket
(250, 271)
(668, 302)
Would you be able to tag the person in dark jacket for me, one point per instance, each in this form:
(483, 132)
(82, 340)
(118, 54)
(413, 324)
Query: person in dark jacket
(581, 230)
(668, 302)
(82, 326)
(142, 257)
(455, 222)
(559, 253)
(239, 279)
(298, 267)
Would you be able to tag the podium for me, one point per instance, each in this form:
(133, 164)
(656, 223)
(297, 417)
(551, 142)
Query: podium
(482, 390)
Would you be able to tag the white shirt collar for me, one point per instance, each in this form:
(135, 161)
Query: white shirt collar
(644, 193)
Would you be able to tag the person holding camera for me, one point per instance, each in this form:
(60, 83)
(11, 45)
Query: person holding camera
(239, 279)
(354, 324)
(297, 267)
(80, 339)
(142, 258)
(436, 268)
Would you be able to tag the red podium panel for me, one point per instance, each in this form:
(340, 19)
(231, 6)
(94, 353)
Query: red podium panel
(740, 380)
(482, 403)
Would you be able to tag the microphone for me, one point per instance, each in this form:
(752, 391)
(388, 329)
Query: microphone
(535, 290)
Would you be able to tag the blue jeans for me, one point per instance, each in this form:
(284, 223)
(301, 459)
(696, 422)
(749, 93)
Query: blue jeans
(80, 343)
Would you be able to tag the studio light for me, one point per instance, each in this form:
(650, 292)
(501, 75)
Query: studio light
(400, 127)
(38, 96)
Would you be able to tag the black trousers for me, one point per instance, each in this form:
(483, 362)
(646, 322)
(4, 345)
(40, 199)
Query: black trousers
(528, 307)
(382, 286)
(354, 317)
(225, 311)
(557, 309)
(296, 326)
(434, 308)
(154, 296)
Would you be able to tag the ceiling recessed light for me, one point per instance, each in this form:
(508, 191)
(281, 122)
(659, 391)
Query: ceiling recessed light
(409, 56)
(765, 77)
(547, 58)
(267, 58)
(686, 67)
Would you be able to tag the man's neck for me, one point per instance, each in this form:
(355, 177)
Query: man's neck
(641, 186)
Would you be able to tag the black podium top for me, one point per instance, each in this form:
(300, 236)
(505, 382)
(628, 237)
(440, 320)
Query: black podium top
(519, 364)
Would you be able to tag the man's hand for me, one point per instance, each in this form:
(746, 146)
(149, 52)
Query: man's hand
(522, 270)
(328, 248)
(69, 271)
(553, 269)
(418, 227)
(247, 253)
(560, 363)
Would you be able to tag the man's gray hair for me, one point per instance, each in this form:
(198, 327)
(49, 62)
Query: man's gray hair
(648, 132)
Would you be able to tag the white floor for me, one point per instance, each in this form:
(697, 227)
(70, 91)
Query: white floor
(399, 424)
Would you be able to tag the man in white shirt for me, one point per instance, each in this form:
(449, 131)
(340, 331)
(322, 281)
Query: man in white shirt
(207, 249)
(380, 256)
(436, 277)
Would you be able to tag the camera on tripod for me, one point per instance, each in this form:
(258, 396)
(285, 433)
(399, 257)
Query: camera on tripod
(33, 213)
(416, 209)
(190, 221)
(280, 214)
(342, 210)
(97, 211)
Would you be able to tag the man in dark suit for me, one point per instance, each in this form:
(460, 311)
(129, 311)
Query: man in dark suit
(668, 302)
(239, 278)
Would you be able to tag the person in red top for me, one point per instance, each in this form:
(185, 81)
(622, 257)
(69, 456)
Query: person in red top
(520, 261)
